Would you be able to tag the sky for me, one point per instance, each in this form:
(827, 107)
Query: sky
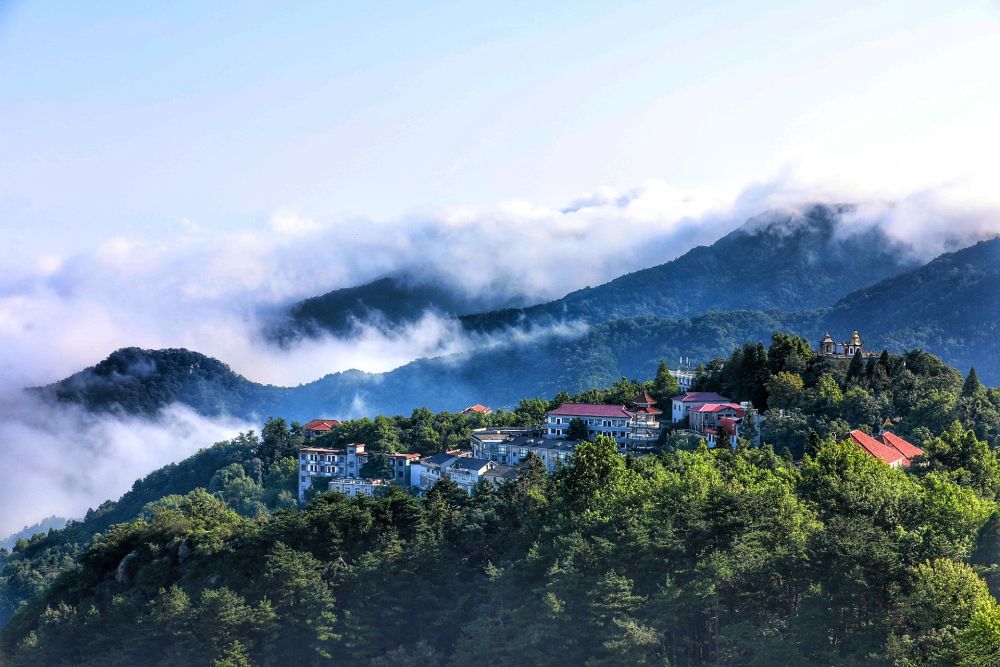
(172, 172)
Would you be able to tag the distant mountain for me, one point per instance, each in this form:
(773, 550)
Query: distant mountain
(137, 381)
(784, 261)
(949, 307)
(500, 375)
(43, 526)
(387, 304)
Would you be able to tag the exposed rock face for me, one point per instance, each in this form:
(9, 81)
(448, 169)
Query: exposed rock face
(122, 571)
(184, 551)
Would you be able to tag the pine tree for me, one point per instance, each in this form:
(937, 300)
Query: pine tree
(972, 384)
(857, 368)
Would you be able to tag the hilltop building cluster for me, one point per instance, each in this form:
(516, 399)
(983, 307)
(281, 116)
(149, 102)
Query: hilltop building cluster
(843, 350)
(495, 452)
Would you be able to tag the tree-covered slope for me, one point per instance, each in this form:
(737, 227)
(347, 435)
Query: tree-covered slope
(138, 381)
(388, 304)
(950, 306)
(786, 261)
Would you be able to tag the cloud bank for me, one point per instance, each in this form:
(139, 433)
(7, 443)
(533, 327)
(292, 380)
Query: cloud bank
(60, 460)
(209, 290)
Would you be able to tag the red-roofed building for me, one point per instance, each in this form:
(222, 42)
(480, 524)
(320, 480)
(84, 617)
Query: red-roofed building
(477, 408)
(318, 427)
(692, 399)
(882, 450)
(638, 426)
(708, 415)
(908, 450)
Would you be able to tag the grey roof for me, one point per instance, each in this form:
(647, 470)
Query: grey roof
(439, 459)
(466, 463)
(502, 471)
(541, 443)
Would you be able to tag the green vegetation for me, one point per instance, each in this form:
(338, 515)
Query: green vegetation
(686, 558)
(804, 396)
(821, 554)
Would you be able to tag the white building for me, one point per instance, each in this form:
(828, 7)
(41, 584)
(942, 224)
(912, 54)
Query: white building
(318, 462)
(360, 486)
(508, 447)
(684, 379)
(461, 469)
(346, 464)
(692, 399)
(636, 427)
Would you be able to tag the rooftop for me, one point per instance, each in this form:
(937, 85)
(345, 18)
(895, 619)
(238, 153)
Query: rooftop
(717, 407)
(468, 463)
(590, 410)
(701, 397)
(877, 449)
(320, 425)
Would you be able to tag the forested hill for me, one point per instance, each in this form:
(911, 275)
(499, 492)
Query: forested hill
(785, 261)
(805, 550)
(948, 307)
(387, 304)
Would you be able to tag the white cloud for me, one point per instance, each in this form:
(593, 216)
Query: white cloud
(61, 460)
(209, 290)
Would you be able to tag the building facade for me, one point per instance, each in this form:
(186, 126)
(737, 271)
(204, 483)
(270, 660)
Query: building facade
(508, 447)
(464, 470)
(358, 486)
(319, 462)
(636, 427)
(682, 404)
(318, 427)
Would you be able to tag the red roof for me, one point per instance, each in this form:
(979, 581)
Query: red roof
(478, 408)
(718, 407)
(408, 457)
(880, 451)
(729, 424)
(590, 410)
(320, 425)
(902, 446)
(645, 398)
(701, 397)
(647, 411)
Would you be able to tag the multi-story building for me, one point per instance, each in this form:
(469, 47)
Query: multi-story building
(346, 464)
(319, 462)
(460, 468)
(401, 464)
(685, 378)
(707, 415)
(692, 399)
(509, 446)
(635, 427)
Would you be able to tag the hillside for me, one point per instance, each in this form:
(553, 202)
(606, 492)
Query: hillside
(140, 382)
(387, 304)
(687, 556)
(948, 307)
(776, 261)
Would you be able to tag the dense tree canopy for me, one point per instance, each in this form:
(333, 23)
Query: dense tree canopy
(690, 556)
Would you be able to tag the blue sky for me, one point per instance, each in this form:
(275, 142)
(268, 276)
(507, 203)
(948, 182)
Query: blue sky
(129, 118)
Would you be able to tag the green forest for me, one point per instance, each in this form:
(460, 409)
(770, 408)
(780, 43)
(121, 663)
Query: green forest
(804, 550)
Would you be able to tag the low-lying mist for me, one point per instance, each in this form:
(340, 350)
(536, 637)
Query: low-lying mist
(61, 460)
